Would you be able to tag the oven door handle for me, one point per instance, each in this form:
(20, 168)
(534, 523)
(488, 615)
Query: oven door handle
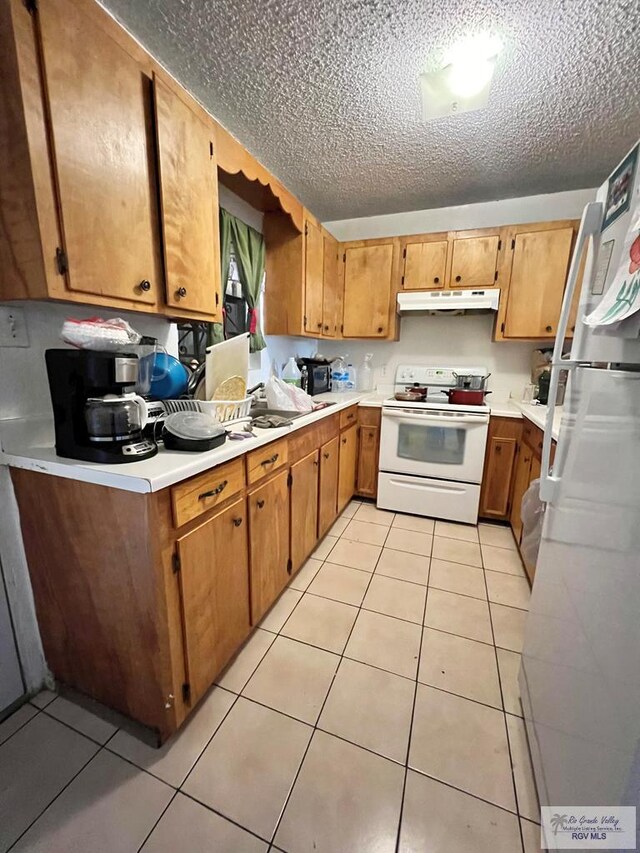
(442, 421)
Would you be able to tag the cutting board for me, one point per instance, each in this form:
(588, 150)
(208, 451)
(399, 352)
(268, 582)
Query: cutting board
(226, 359)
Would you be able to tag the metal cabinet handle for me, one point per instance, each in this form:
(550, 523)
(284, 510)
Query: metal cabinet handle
(237, 522)
(350, 416)
(260, 504)
(145, 285)
(549, 328)
(271, 460)
(326, 455)
(436, 280)
(214, 492)
(380, 329)
(344, 440)
(326, 328)
(316, 461)
(458, 278)
(181, 292)
(319, 325)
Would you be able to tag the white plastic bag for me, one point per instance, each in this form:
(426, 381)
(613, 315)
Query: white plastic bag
(532, 515)
(98, 334)
(286, 397)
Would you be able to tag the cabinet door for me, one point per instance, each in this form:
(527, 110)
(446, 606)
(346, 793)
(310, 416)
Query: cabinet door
(189, 197)
(497, 478)
(304, 509)
(99, 106)
(214, 581)
(520, 486)
(330, 299)
(425, 265)
(347, 466)
(268, 542)
(368, 452)
(367, 291)
(538, 276)
(313, 275)
(328, 489)
(474, 262)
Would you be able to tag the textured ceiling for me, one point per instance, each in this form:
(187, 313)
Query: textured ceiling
(325, 93)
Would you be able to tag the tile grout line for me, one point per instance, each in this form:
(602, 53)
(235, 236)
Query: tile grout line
(504, 717)
(64, 788)
(315, 725)
(26, 722)
(413, 708)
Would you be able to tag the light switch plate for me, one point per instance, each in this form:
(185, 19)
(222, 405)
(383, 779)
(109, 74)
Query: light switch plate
(13, 327)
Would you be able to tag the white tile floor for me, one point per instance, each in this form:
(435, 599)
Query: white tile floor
(375, 709)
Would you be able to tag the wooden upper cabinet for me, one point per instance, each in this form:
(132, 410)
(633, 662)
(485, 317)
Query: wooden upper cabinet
(214, 585)
(368, 289)
(330, 296)
(425, 265)
(474, 261)
(99, 106)
(189, 203)
(539, 269)
(313, 277)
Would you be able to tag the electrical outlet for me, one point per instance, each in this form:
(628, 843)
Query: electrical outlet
(13, 328)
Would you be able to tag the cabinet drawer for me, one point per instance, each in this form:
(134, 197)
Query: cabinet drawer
(348, 417)
(369, 416)
(193, 497)
(266, 460)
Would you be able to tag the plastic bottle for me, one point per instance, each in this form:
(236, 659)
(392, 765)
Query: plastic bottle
(350, 378)
(338, 375)
(365, 374)
(291, 373)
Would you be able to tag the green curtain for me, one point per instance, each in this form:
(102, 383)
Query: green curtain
(249, 253)
(215, 332)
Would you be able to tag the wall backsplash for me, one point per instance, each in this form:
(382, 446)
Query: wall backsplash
(460, 340)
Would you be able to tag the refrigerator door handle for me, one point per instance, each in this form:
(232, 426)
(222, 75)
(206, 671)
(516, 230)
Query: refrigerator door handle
(589, 227)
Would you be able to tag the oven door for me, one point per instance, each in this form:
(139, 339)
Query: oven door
(428, 443)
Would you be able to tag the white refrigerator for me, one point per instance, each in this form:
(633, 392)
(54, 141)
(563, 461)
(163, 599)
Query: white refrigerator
(580, 671)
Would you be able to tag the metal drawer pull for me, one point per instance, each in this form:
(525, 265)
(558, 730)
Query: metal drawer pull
(350, 416)
(270, 461)
(260, 504)
(145, 285)
(213, 492)
(326, 455)
(237, 522)
(344, 440)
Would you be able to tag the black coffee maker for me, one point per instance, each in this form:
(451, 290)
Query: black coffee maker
(96, 418)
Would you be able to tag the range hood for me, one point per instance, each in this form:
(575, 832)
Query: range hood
(449, 301)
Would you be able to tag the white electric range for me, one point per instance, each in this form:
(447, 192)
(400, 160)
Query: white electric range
(432, 452)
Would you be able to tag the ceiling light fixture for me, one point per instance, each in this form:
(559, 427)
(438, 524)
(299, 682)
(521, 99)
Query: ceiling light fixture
(463, 82)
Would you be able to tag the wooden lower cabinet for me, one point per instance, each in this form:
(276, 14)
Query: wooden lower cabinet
(142, 599)
(328, 486)
(520, 486)
(369, 419)
(304, 508)
(268, 542)
(214, 582)
(500, 459)
(347, 466)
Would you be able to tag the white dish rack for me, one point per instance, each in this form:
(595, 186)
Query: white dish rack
(223, 411)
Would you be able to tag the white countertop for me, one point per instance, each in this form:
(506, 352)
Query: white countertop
(29, 444)
(533, 413)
